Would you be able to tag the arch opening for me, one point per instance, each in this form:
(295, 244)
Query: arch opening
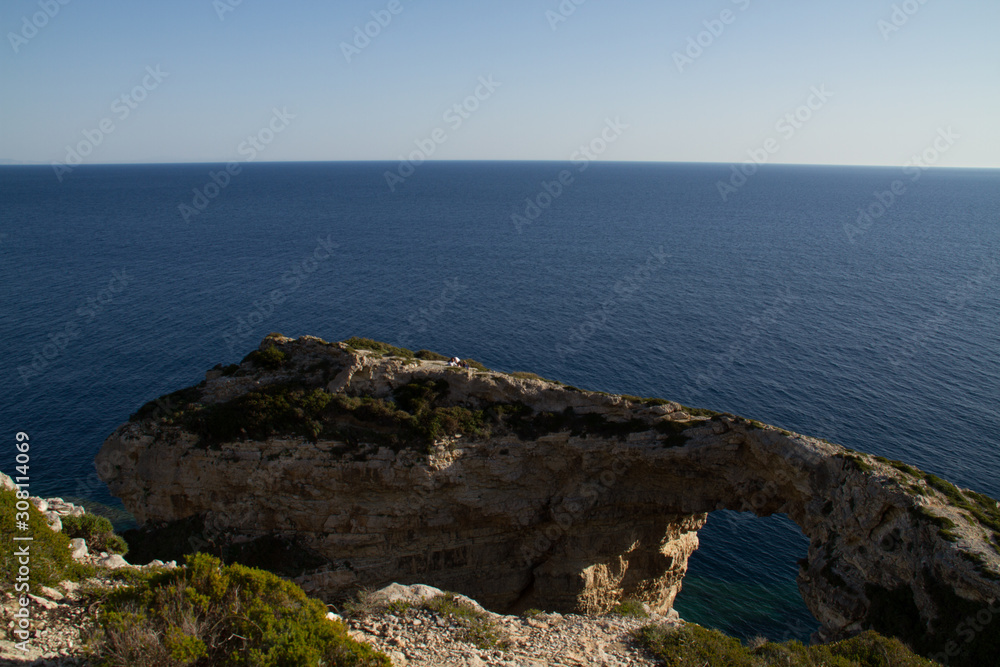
(742, 578)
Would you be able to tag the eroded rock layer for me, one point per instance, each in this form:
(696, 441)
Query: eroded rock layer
(521, 492)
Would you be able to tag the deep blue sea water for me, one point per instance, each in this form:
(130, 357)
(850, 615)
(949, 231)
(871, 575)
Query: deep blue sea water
(637, 278)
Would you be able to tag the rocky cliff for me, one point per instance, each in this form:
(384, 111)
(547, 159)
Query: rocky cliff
(366, 466)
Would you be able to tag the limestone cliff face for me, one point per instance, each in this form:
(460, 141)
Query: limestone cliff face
(522, 492)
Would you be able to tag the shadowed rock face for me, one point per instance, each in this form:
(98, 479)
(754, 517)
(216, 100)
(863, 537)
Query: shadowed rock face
(552, 497)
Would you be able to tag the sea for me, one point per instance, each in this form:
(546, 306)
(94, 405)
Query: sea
(856, 304)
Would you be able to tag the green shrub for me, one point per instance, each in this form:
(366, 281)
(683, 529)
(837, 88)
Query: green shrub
(478, 628)
(207, 614)
(472, 363)
(420, 395)
(531, 613)
(169, 405)
(656, 401)
(455, 420)
(694, 645)
(427, 355)
(97, 531)
(270, 357)
(275, 409)
(982, 507)
(857, 462)
(633, 608)
(700, 412)
(871, 649)
(365, 603)
(383, 349)
(51, 561)
(286, 409)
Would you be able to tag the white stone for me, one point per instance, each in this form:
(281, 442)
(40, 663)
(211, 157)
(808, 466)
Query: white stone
(399, 593)
(78, 548)
(50, 593)
(114, 562)
(42, 602)
(55, 523)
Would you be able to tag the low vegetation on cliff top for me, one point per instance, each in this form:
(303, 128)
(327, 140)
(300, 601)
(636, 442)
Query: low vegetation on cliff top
(418, 414)
(50, 559)
(477, 627)
(208, 614)
(386, 350)
(97, 531)
(694, 645)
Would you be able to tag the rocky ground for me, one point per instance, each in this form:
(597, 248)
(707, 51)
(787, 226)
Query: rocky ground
(424, 638)
(419, 637)
(411, 636)
(61, 623)
(62, 618)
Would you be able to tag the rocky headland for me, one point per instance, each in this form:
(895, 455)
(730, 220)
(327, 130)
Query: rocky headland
(351, 465)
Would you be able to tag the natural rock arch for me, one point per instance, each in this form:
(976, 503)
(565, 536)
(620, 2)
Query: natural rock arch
(602, 502)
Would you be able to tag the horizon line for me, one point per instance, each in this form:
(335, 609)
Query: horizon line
(4, 162)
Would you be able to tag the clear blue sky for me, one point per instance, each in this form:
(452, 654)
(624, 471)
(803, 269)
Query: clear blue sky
(891, 91)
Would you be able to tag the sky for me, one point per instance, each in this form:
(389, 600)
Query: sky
(855, 82)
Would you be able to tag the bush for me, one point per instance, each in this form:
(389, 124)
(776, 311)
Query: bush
(168, 405)
(456, 420)
(630, 608)
(420, 395)
(383, 349)
(478, 628)
(97, 531)
(207, 614)
(472, 363)
(692, 644)
(275, 409)
(427, 355)
(51, 561)
(270, 357)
